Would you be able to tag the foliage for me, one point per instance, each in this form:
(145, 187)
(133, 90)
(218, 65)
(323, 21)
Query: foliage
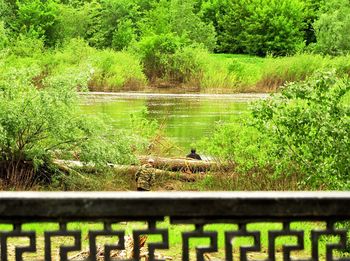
(278, 27)
(38, 17)
(72, 22)
(312, 13)
(143, 129)
(108, 20)
(308, 122)
(177, 17)
(3, 35)
(114, 70)
(242, 145)
(124, 36)
(109, 70)
(332, 28)
(263, 26)
(7, 11)
(212, 12)
(187, 65)
(37, 125)
(27, 45)
(167, 57)
(185, 22)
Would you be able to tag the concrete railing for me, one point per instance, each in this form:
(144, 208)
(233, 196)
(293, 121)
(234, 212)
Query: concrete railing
(199, 209)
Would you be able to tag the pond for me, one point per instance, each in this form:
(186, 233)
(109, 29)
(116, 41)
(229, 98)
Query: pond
(186, 118)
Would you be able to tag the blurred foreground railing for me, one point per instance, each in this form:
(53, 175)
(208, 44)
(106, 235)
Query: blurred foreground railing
(194, 208)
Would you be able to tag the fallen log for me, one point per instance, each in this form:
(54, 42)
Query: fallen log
(183, 164)
(71, 165)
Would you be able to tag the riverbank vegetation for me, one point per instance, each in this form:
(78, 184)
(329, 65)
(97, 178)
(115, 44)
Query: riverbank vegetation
(302, 131)
(129, 45)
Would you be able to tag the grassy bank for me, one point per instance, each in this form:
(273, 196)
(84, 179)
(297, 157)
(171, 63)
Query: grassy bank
(242, 73)
(190, 69)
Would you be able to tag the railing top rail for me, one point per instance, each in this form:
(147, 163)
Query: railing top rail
(48, 206)
(172, 195)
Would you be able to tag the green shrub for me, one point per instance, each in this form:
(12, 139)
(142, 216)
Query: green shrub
(7, 11)
(240, 144)
(27, 45)
(108, 70)
(308, 123)
(39, 125)
(108, 18)
(143, 130)
(155, 52)
(187, 65)
(167, 57)
(211, 13)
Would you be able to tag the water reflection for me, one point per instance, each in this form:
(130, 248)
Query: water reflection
(186, 118)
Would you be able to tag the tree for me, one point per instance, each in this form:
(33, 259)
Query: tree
(260, 27)
(312, 13)
(211, 12)
(37, 17)
(109, 19)
(333, 28)
(178, 17)
(72, 22)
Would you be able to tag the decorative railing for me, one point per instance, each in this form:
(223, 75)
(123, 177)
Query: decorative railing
(327, 212)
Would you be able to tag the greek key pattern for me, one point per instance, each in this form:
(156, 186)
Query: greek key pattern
(226, 250)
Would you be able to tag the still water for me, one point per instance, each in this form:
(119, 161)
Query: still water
(185, 118)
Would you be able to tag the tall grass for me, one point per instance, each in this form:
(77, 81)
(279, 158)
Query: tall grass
(108, 70)
(116, 70)
(241, 73)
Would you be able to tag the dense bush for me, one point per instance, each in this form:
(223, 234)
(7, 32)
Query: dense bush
(212, 12)
(7, 11)
(302, 132)
(27, 45)
(309, 123)
(167, 57)
(240, 144)
(333, 28)
(263, 26)
(37, 126)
